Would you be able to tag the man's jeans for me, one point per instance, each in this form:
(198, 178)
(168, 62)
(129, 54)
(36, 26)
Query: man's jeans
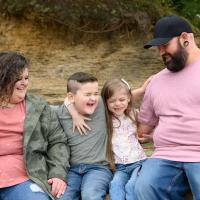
(122, 185)
(88, 182)
(27, 190)
(167, 180)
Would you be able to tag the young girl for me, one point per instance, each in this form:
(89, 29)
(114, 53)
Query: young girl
(124, 151)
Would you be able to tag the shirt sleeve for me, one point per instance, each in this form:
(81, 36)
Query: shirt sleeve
(147, 112)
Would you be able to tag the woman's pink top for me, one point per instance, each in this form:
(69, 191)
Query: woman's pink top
(12, 169)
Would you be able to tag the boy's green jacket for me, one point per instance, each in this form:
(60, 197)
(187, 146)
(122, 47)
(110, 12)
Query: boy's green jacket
(45, 150)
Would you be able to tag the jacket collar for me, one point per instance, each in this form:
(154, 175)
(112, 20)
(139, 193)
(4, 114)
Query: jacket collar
(34, 108)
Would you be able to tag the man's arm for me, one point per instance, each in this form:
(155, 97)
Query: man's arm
(144, 132)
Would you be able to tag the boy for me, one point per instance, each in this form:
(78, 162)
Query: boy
(89, 175)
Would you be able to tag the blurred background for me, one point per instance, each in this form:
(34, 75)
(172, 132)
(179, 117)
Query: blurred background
(102, 37)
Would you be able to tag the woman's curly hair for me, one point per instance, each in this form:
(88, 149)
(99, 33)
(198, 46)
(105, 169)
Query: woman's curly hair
(12, 64)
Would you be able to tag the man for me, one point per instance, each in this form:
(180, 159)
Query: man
(171, 105)
(89, 175)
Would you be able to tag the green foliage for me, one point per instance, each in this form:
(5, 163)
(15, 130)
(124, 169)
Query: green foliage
(189, 9)
(106, 14)
(102, 14)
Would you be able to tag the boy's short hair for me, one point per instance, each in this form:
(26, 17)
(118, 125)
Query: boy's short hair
(74, 81)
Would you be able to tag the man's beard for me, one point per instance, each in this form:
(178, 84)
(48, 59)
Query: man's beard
(178, 59)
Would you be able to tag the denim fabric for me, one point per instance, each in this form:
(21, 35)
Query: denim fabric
(27, 190)
(88, 182)
(167, 180)
(122, 185)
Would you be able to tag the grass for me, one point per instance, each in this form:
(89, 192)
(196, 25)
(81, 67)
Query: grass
(148, 147)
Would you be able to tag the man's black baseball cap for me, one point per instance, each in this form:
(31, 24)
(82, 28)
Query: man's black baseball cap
(166, 28)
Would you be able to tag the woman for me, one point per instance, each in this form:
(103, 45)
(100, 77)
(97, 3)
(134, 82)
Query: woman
(33, 151)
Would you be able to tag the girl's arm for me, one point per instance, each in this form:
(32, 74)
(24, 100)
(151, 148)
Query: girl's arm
(77, 118)
(139, 92)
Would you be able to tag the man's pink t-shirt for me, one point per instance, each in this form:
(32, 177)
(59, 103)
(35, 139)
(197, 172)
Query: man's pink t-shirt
(12, 170)
(172, 104)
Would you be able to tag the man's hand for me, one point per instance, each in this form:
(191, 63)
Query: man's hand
(146, 138)
(58, 187)
(145, 133)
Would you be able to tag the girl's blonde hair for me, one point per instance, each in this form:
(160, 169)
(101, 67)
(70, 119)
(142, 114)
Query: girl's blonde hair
(108, 90)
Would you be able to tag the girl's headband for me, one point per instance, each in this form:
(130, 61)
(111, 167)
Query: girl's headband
(126, 83)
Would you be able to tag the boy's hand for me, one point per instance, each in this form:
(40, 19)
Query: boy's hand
(58, 187)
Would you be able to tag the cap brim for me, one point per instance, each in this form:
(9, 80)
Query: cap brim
(157, 42)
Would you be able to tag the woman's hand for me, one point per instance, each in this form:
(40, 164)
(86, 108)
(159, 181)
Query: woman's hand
(58, 187)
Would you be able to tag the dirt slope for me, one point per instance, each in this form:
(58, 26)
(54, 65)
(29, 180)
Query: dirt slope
(55, 53)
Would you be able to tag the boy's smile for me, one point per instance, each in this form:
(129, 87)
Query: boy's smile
(86, 98)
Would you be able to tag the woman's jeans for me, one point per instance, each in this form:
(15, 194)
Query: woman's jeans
(88, 182)
(27, 190)
(122, 185)
(167, 180)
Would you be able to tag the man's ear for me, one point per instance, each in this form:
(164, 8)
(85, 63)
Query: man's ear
(185, 36)
(70, 97)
